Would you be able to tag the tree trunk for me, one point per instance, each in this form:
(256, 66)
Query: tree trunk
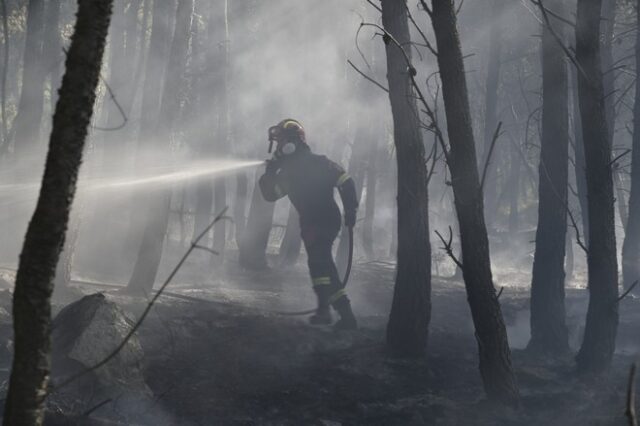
(608, 81)
(220, 182)
(292, 241)
(254, 241)
(159, 200)
(580, 163)
(549, 333)
(52, 49)
(491, 108)
(408, 327)
(240, 208)
(370, 201)
(495, 357)
(45, 235)
(26, 125)
(631, 246)
(159, 42)
(602, 315)
(514, 187)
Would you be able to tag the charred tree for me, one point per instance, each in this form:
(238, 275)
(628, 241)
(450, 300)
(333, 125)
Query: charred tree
(549, 333)
(159, 200)
(26, 126)
(631, 245)
(408, 326)
(602, 315)
(45, 235)
(495, 356)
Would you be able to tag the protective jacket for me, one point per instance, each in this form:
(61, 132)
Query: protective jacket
(309, 181)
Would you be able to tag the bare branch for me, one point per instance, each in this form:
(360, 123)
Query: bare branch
(447, 247)
(496, 134)
(375, 6)
(612, 162)
(631, 287)
(575, 227)
(367, 77)
(422, 34)
(146, 311)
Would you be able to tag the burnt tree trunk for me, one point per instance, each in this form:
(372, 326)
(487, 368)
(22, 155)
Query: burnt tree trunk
(46, 232)
(580, 164)
(549, 333)
(495, 357)
(220, 182)
(631, 245)
(608, 81)
(408, 327)
(370, 200)
(159, 42)
(602, 315)
(159, 200)
(254, 241)
(26, 125)
(292, 241)
(491, 109)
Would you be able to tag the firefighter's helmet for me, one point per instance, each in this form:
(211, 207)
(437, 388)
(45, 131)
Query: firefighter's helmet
(288, 134)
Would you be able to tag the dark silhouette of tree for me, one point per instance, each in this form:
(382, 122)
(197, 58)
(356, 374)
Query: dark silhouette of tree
(548, 329)
(159, 200)
(602, 315)
(408, 327)
(493, 348)
(46, 232)
(631, 246)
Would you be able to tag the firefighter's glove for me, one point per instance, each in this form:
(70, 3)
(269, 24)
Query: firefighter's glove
(273, 165)
(350, 218)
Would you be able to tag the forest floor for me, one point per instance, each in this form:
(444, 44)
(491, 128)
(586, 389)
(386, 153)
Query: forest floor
(225, 357)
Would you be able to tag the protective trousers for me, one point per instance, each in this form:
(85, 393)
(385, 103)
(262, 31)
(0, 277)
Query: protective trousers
(324, 275)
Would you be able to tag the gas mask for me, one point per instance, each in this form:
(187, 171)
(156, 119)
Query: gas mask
(284, 147)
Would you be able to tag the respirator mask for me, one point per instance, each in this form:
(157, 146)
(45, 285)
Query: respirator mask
(283, 144)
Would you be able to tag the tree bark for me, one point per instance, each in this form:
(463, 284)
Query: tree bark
(495, 357)
(631, 245)
(602, 316)
(26, 125)
(408, 326)
(159, 200)
(45, 235)
(549, 333)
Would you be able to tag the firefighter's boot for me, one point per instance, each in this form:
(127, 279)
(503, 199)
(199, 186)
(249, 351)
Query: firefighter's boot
(323, 314)
(347, 319)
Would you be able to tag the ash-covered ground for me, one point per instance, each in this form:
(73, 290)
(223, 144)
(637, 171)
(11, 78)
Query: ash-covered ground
(223, 355)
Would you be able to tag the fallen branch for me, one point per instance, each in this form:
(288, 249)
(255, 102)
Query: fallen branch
(146, 311)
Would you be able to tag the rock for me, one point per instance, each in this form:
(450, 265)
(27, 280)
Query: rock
(84, 333)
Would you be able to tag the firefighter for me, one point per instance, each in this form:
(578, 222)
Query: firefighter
(309, 181)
